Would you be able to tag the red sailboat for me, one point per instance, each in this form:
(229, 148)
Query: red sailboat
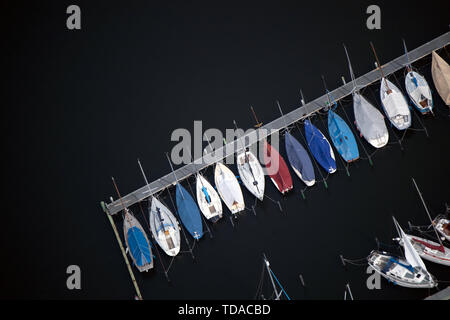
(276, 167)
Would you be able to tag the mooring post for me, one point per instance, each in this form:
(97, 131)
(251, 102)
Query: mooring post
(113, 225)
(302, 281)
(342, 259)
(279, 205)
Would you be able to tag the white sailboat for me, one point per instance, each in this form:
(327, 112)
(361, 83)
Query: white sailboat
(163, 224)
(208, 199)
(440, 71)
(409, 272)
(368, 120)
(228, 188)
(430, 250)
(417, 88)
(164, 227)
(393, 101)
(250, 171)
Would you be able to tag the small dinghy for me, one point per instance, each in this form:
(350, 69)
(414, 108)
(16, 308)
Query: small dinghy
(251, 173)
(137, 243)
(409, 272)
(394, 103)
(277, 169)
(299, 160)
(208, 200)
(188, 212)
(320, 147)
(228, 188)
(164, 227)
(440, 71)
(368, 120)
(417, 88)
(135, 238)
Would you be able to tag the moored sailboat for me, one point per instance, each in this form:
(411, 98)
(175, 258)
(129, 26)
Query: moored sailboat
(163, 224)
(417, 88)
(393, 101)
(368, 120)
(440, 71)
(135, 238)
(409, 271)
(250, 171)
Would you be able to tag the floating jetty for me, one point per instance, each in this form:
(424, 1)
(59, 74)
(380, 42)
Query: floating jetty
(274, 126)
(441, 295)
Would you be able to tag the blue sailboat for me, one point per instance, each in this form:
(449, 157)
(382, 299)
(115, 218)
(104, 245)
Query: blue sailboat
(320, 147)
(189, 212)
(135, 238)
(340, 133)
(342, 137)
(299, 160)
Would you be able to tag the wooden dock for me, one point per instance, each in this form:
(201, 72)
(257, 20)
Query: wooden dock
(276, 125)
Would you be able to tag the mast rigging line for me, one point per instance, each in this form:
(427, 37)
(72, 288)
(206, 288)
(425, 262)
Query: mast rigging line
(276, 125)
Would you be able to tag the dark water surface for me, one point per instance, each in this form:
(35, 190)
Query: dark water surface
(81, 106)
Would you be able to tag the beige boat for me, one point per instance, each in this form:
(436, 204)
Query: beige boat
(440, 70)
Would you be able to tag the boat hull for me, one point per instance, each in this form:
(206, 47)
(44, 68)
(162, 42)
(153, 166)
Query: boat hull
(320, 147)
(164, 227)
(228, 188)
(137, 243)
(277, 169)
(398, 273)
(342, 137)
(251, 173)
(428, 253)
(394, 105)
(189, 212)
(299, 159)
(440, 71)
(419, 92)
(370, 122)
(208, 199)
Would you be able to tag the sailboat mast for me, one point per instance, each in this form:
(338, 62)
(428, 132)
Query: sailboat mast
(173, 171)
(144, 175)
(379, 67)
(352, 75)
(408, 66)
(428, 213)
(266, 262)
(349, 291)
(326, 90)
(258, 124)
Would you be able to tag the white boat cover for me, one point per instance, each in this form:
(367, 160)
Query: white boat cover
(440, 70)
(370, 121)
(251, 172)
(395, 105)
(228, 188)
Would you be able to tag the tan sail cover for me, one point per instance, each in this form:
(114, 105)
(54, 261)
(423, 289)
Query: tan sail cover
(440, 71)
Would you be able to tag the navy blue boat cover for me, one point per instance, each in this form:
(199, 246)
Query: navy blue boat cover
(299, 158)
(189, 212)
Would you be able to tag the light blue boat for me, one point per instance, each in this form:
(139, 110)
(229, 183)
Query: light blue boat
(189, 212)
(342, 137)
